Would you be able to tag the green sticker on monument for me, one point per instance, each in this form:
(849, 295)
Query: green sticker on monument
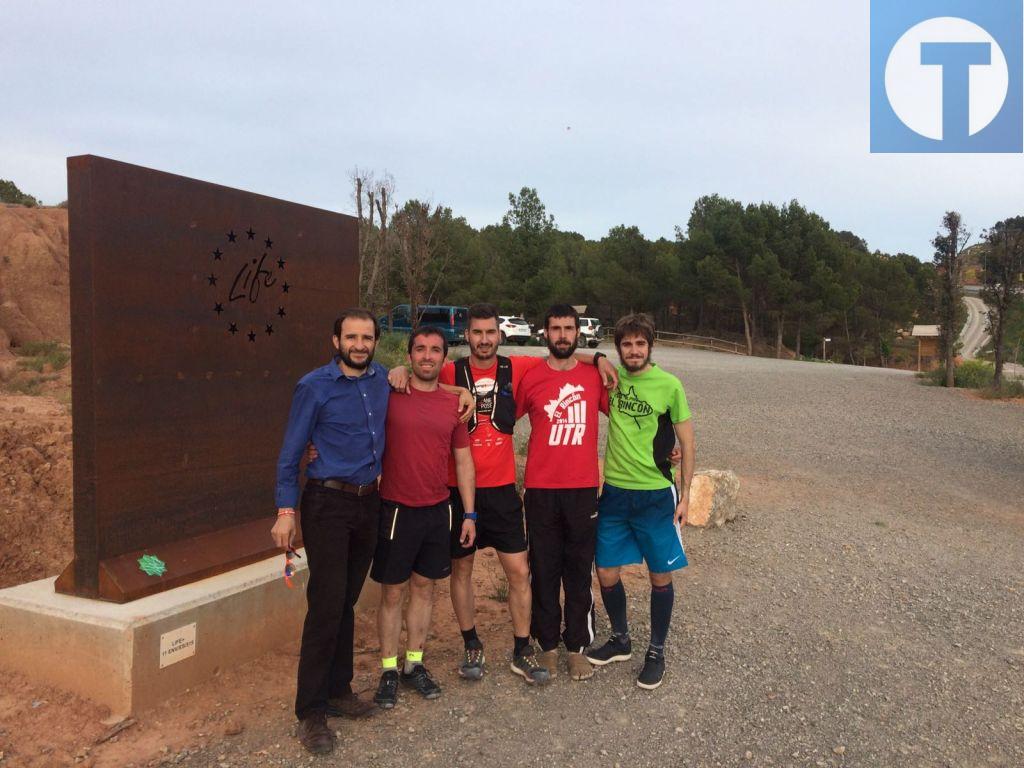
(151, 565)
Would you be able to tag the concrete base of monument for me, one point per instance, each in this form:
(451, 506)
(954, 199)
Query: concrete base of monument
(134, 655)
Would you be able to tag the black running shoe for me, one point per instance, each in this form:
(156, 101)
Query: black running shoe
(653, 673)
(387, 690)
(420, 680)
(616, 649)
(527, 665)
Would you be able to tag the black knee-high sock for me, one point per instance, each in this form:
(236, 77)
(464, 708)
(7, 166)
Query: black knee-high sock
(614, 599)
(470, 638)
(661, 614)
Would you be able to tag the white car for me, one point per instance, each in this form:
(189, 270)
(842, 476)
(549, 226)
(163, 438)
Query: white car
(590, 331)
(514, 330)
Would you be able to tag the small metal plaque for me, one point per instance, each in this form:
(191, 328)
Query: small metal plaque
(178, 644)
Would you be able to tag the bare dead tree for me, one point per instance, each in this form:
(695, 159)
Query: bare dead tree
(381, 196)
(373, 198)
(362, 181)
(418, 231)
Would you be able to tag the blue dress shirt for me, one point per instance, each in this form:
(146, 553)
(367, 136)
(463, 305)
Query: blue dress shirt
(343, 416)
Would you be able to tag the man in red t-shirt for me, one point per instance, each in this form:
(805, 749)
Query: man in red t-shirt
(494, 379)
(562, 399)
(422, 429)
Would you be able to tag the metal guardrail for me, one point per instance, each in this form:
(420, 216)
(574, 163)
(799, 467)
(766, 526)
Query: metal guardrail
(700, 342)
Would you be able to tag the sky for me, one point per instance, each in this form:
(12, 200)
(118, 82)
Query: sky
(616, 113)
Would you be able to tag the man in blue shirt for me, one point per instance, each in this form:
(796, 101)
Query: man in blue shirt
(341, 408)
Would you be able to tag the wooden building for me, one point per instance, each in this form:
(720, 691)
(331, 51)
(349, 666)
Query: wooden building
(927, 336)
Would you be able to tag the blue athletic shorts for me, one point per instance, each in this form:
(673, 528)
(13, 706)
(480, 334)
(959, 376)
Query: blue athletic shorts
(638, 525)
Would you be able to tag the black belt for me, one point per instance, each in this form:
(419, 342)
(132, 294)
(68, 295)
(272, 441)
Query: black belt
(341, 485)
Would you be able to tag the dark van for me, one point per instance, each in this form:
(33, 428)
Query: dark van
(451, 321)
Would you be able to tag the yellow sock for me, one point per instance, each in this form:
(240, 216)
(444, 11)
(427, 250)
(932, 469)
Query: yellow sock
(412, 658)
(389, 663)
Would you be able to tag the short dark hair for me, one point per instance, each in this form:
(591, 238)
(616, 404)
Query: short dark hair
(636, 324)
(483, 311)
(561, 310)
(356, 313)
(427, 330)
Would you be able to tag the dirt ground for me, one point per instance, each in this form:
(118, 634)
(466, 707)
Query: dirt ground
(865, 609)
(35, 478)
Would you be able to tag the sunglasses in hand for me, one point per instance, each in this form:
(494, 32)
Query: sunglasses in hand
(289, 567)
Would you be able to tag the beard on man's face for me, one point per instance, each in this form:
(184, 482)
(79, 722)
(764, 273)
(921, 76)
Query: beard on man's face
(484, 350)
(358, 365)
(563, 350)
(634, 364)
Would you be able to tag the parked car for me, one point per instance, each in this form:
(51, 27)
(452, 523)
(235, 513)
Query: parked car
(590, 331)
(450, 320)
(514, 330)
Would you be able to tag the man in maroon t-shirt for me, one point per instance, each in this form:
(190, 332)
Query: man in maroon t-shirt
(563, 399)
(421, 430)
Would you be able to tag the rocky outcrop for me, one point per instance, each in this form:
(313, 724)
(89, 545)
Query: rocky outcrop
(34, 290)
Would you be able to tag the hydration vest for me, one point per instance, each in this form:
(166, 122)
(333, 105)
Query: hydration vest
(502, 403)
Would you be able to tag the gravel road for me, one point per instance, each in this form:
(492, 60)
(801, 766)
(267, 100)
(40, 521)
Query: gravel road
(865, 609)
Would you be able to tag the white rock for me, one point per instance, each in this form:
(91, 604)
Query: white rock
(713, 498)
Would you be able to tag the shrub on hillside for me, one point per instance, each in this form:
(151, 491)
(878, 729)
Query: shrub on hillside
(36, 355)
(391, 350)
(1011, 388)
(9, 193)
(970, 374)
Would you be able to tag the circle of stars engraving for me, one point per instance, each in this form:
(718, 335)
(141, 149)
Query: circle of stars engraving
(276, 289)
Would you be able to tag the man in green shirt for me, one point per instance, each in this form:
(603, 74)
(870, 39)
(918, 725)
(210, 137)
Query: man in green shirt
(641, 510)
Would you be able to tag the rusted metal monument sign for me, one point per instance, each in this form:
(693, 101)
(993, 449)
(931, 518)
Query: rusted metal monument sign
(194, 310)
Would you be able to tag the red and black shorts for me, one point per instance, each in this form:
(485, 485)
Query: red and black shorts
(499, 524)
(413, 539)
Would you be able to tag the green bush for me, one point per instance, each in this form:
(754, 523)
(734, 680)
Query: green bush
(36, 355)
(391, 349)
(974, 374)
(9, 193)
(1010, 388)
(21, 386)
(970, 374)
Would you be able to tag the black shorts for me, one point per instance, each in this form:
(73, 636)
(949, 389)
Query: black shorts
(412, 539)
(499, 522)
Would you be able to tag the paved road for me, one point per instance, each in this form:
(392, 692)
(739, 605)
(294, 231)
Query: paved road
(974, 336)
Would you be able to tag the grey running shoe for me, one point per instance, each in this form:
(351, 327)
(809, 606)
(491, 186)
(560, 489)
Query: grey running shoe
(387, 690)
(472, 667)
(616, 649)
(527, 666)
(421, 681)
(653, 673)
